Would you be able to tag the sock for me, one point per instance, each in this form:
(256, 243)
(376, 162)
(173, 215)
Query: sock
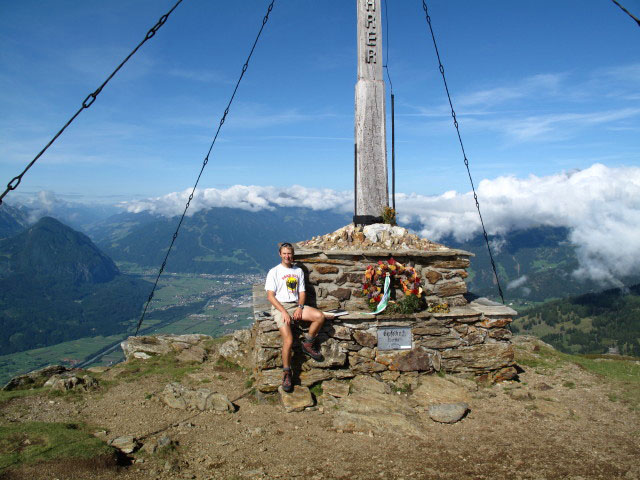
(308, 338)
(286, 369)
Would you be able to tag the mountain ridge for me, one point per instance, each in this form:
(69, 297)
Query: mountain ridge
(56, 285)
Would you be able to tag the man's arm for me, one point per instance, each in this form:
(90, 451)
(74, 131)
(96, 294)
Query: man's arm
(297, 315)
(271, 296)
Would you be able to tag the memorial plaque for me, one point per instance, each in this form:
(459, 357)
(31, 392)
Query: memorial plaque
(394, 338)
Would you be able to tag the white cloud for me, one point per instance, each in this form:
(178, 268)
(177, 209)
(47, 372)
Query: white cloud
(562, 125)
(247, 197)
(199, 76)
(538, 85)
(600, 205)
(518, 282)
(41, 205)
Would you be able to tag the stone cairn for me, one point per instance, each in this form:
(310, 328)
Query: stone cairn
(470, 338)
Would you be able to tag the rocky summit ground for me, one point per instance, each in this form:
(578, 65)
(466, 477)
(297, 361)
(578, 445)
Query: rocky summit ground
(560, 420)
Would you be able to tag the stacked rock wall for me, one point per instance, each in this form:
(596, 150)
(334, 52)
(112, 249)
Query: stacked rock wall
(334, 278)
(471, 338)
(335, 264)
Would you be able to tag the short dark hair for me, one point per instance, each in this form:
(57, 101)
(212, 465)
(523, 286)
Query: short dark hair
(285, 245)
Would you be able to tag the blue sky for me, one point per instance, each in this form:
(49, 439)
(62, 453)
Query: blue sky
(540, 88)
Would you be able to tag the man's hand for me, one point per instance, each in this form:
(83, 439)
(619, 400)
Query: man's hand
(286, 318)
(297, 315)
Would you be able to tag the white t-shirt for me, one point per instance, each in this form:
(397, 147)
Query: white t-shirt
(286, 282)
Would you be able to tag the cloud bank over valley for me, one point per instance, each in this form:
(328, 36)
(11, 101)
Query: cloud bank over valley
(600, 206)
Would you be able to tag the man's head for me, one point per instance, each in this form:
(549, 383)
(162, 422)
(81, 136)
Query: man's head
(286, 253)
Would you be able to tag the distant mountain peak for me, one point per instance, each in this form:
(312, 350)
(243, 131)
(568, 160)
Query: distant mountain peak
(50, 248)
(12, 220)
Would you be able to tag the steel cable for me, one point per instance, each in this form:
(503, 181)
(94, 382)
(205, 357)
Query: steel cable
(466, 160)
(627, 12)
(393, 114)
(15, 181)
(386, 36)
(204, 164)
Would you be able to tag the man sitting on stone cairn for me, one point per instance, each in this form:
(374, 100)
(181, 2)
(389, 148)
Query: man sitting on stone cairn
(286, 292)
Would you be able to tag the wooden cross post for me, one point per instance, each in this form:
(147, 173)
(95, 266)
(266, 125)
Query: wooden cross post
(371, 190)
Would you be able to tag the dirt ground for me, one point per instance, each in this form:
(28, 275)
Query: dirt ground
(553, 423)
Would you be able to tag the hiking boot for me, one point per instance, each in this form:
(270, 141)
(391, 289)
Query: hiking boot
(307, 348)
(287, 383)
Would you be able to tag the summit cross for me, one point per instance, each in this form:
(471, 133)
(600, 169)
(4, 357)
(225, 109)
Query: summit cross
(371, 189)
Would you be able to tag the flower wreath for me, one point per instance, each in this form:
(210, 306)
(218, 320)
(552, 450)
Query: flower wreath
(374, 277)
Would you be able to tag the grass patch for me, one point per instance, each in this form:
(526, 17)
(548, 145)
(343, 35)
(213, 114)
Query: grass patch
(165, 366)
(544, 358)
(66, 353)
(228, 365)
(74, 395)
(622, 372)
(11, 394)
(31, 442)
(316, 390)
(405, 388)
(210, 342)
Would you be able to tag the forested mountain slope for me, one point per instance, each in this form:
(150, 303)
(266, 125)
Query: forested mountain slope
(535, 264)
(590, 323)
(218, 240)
(56, 285)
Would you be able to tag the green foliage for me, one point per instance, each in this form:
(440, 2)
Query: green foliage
(6, 396)
(316, 390)
(588, 324)
(405, 388)
(543, 254)
(389, 216)
(55, 285)
(542, 359)
(30, 442)
(218, 240)
(406, 305)
(36, 311)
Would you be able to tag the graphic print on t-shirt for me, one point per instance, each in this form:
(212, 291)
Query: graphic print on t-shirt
(292, 283)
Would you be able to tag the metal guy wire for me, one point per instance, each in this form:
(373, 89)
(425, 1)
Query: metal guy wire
(627, 12)
(466, 161)
(15, 181)
(204, 164)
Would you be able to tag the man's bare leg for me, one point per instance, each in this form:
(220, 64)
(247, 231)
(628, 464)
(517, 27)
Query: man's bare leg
(316, 318)
(287, 343)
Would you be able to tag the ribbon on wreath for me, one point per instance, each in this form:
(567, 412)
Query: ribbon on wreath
(385, 297)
